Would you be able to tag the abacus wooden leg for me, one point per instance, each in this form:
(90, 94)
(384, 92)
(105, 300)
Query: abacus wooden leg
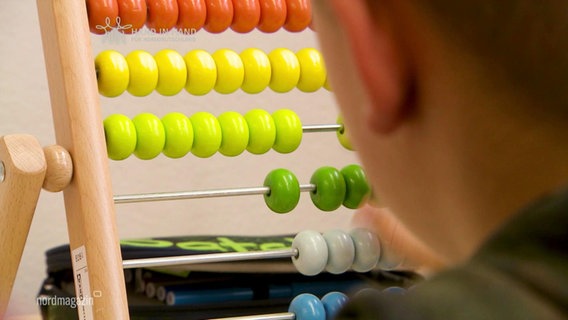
(22, 170)
(97, 262)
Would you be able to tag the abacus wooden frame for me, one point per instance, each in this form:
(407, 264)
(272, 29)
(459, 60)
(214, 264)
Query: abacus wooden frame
(77, 117)
(89, 204)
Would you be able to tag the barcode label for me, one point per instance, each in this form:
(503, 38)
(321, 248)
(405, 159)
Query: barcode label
(82, 286)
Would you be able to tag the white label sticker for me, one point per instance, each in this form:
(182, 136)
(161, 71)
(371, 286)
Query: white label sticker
(82, 286)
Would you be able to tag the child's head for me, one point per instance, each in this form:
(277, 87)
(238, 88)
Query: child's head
(457, 108)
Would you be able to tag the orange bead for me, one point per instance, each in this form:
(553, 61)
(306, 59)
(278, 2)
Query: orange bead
(102, 15)
(192, 15)
(299, 15)
(246, 15)
(162, 15)
(132, 15)
(219, 15)
(272, 15)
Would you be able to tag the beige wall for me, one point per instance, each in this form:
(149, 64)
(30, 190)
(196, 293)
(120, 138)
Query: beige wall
(24, 108)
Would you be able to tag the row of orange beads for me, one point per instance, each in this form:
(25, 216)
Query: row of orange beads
(189, 16)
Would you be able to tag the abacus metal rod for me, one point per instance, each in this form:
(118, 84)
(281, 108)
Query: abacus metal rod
(209, 258)
(268, 316)
(185, 195)
(322, 128)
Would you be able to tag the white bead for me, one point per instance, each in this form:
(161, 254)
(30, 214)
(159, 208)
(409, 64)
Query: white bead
(367, 250)
(389, 259)
(341, 251)
(312, 252)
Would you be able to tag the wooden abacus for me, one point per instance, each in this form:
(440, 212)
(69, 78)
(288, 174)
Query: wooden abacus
(79, 165)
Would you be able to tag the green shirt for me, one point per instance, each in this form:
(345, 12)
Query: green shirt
(520, 273)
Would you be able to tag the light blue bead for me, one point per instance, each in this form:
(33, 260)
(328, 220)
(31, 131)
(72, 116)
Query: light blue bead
(307, 307)
(332, 303)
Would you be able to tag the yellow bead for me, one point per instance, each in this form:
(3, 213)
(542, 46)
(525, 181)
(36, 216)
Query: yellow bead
(285, 70)
(120, 136)
(143, 73)
(313, 73)
(151, 136)
(207, 135)
(230, 71)
(235, 133)
(179, 135)
(112, 73)
(172, 72)
(201, 72)
(342, 135)
(262, 131)
(288, 131)
(257, 70)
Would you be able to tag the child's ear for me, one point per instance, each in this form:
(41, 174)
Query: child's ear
(378, 57)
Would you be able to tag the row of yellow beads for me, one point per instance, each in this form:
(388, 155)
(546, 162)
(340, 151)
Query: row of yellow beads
(199, 72)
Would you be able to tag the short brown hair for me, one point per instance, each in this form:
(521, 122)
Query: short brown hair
(526, 39)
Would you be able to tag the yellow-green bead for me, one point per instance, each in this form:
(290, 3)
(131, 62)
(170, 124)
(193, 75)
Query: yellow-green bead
(112, 73)
(285, 70)
(207, 135)
(120, 136)
(201, 72)
(288, 131)
(151, 136)
(143, 73)
(327, 84)
(258, 71)
(342, 135)
(313, 73)
(172, 72)
(230, 71)
(235, 132)
(179, 135)
(262, 131)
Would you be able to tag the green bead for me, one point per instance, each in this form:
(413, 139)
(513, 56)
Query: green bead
(120, 135)
(262, 131)
(151, 136)
(284, 192)
(342, 135)
(179, 135)
(357, 186)
(288, 131)
(330, 188)
(235, 132)
(207, 134)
